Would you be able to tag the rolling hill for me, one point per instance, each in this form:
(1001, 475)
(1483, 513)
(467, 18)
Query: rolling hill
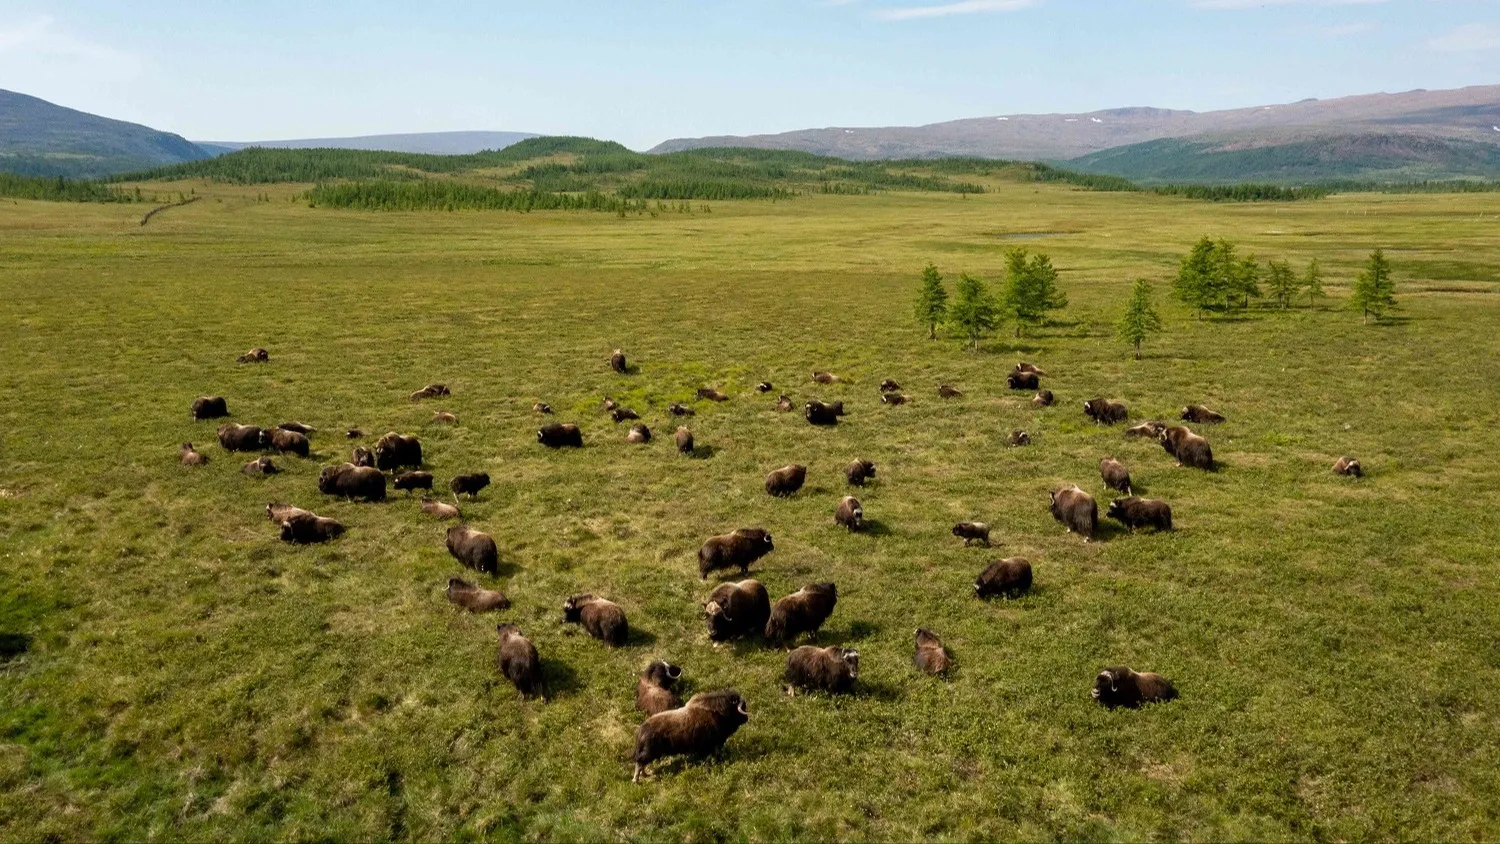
(429, 143)
(38, 138)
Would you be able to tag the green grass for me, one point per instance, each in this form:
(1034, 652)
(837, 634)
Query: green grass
(188, 676)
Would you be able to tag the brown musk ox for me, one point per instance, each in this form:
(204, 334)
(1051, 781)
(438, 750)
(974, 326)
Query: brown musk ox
(361, 456)
(684, 438)
(306, 528)
(209, 407)
(623, 414)
(971, 532)
(1190, 449)
(803, 611)
(859, 471)
(710, 394)
(1134, 512)
(1043, 398)
(677, 409)
(431, 391)
(260, 467)
(1023, 366)
(255, 355)
(826, 378)
(833, 669)
(786, 480)
(784, 403)
(737, 549)
(946, 391)
(1151, 429)
(737, 609)
(617, 362)
(354, 433)
(930, 656)
(1010, 577)
(604, 620)
(894, 399)
(1115, 475)
(439, 509)
(278, 512)
(699, 728)
(189, 456)
(849, 514)
(518, 661)
(243, 437)
(1023, 381)
(764, 387)
(818, 413)
(408, 481)
(1105, 411)
(609, 404)
(560, 435)
(394, 451)
(1019, 437)
(300, 427)
(1076, 510)
(638, 435)
(1119, 686)
(284, 441)
(889, 386)
(654, 690)
(1201, 415)
(350, 481)
(474, 549)
(475, 599)
(1348, 467)
(443, 417)
(541, 408)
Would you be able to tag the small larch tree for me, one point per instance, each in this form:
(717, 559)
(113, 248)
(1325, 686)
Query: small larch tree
(1282, 282)
(1199, 282)
(1312, 282)
(974, 311)
(1030, 289)
(932, 301)
(1374, 291)
(1140, 319)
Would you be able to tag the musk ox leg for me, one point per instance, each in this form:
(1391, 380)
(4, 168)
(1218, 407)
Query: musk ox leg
(639, 769)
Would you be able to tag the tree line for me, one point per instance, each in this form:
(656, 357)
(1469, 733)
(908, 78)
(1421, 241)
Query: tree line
(1027, 293)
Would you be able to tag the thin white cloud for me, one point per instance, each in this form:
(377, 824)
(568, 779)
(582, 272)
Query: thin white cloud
(1469, 38)
(40, 38)
(1256, 4)
(963, 7)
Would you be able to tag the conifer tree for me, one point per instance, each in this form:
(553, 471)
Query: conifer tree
(974, 311)
(932, 301)
(1374, 291)
(1283, 283)
(1140, 318)
(1312, 282)
(1030, 289)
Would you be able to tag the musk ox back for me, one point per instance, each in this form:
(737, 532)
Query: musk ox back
(1018, 438)
(1010, 577)
(1150, 429)
(1043, 398)
(849, 513)
(284, 440)
(189, 456)
(639, 435)
(1189, 448)
(819, 413)
(518, 661)
(255, 355)
(469, 484)
(1023, 366)
(833, 669)
(604, 620)
(306, 528)
(889, 386)
(1117, 685)
(361, 456)
(786, 480)
(678, 409)
(1023, 381)
(394, 451)
(623, 414)
(1134, 512)
(699, 728)
(560, 435)
(351, 481)
(209, 407)
(947, 391)
(1201, 415)
(1105, 412)
(971, 532)
(1115, 475)
(617, 361)
(1076, 510)
(654, 690)
(243, 437)
(737, 549)
(684, 438)
(473, 598)
(711, 394)
(737, 609)
(930, 657)
(474, 549)
(1348, 467)
(261, 466)
(825, 378)
(431, 391)
(784, 403)
(300, 427)
(894, 399)
(279, 513)
(440, 509)
(803, 611)
(408, 481)
(859, 471)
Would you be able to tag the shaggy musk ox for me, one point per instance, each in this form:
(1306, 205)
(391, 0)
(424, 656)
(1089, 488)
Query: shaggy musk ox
(737, 609)
(826, 378)
(617, 361)
(1201, 415)
(209, 407)
(1020, 438)
(1189, 448)
(1043, 398)
(443, 417)
(711, 394)
(354, 433)
(1346, 466)
(243, 437)
(819, 413)
(1023, 366)
(474, 549)
(1119, 686)
(971, 532)
(1150, 429)
(859, 471)
(889, 386)
(189, 456)
(261, 466)
(439, 509)
(786, 480)
(1105, 412)
(764, 387)
(431, 391)
(734, 550)
(1134, 512)
(283, 441)
(784, 403)
(849, 513)
(1023, 380)
(832, 669)
(931, 657)
(1011, 578)
(541, 407)
(519, 661)
(803, 611)
(351, 481)
(469, 485)
(609, 404)
(473, 598)
(639, 435)
(680, 410)
(604, 620)
(255, 355)
(623, 414)
(684, 440)
(947, 392)
(653, 691)
(559, 435)
(361, 456)
(279, 513)
(300, 427)
(306, 528)
(1076, 510)
(394, 451)
(1115, 475)
(894, 399)
(699, 728)
(408, 481)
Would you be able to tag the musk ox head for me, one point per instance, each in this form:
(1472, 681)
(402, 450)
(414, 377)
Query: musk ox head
(1105, 682)
(851, 662)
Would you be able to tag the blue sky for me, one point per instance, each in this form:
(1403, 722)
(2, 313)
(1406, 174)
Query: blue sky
(641, 72)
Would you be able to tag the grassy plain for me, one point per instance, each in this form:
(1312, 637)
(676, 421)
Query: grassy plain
(175, 672)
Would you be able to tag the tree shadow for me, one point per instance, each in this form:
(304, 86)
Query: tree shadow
(13, 645)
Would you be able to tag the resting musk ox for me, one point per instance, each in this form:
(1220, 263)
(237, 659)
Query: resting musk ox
(1022, 381)
(622, 414)
(737, 609)
(559, 435)
(680, 410)
(617, 361)
(1346, 466)
(519, 661)
(300, 427)
(439, 509)
(541, 407)
(1189, 448)
(1150, 429)
(351, 481)
(394, 451)
(786, 480)
(1043, 398)
(443, 417)
(819, 413)
(859, 471)
(278, 512)
(1010, 577)
(638, 435)
(1105, 412)
(971, 532)
(931, 657)
(408, 481)
(1201, 415)
(1023, 366)
(889, 386)
(832, 669)
(609, 404)
(1076, 510)
(306, 528)
(473, 598)
(653, 691)
(711, 394)
(734, 550)
(361, 456)
(1134, 512)
(699, 728)
(209, 407)
(684, 440)
(849, 514)
(947, 392)
(243, 437)
(826, 378)
(1115, 475)
(189, 456)
(354, 433)
(474, 549)
(894, 399)
(255, 355)
(431, 391)
(604, 620)
(803, 611)
(261, 466)
(764, 387)
(1020, 438)
(783, 403)
(1119, 686)
(283, 441)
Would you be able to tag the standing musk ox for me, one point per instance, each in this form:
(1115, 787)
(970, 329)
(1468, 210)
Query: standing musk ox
(889, 386)
(786, 480)
(361, 456)
(473, 598)
(255, 355)
(394, 451)
(1346, 466)
(1115, 475)
(189, 456)
(1119, 686)
(639, 435)
(439, 509)
(894, 399)
(684, 438)
(832, 669)
(819, 413)
(306, 528)
(351, 481)
(443, 417)
(737, 609)
(734, 550)
(623, 414)
(859, 471)
(653, 691)
(1201, 415)
(1043, 398)
(541, 408)
(1134, 512)
(971, 532)
(699, 728)
(711, 394)
(1105, 412)
(783, 403)
(931, 657)
(764, 387)
(518, 661)
(1020, 438)
(681, 410)
(279, 513)
(1023, 381)
(300, 427)
(474, 549)
(1010, 577)
(560, 435)
(260, 466)
(243, 437)
(1150, 429)
(604, 620)
(948, 392)
(209, 407)
(1189, 448)
(283, 441)
(431, 391)
(617, 362)
(849, 514)
(803, 611)
(826, 378)
(408, 481)
(1076, 510)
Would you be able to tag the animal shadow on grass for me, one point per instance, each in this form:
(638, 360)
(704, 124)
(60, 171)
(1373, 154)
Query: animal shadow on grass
(558, 679)
(703, 452)
(506, 569)
(13, 645)
(639, 638)
(1108, 530)
(874, 527)
(876, 690)
(860, 630)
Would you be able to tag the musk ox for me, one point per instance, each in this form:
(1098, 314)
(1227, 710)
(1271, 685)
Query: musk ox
(948, 392)
(473, 598)
(737, 549)
(680, 410)
(243, 437)
(1019, 437)
(826, 378)
(283, 441)
(971, 532)
(684, 438)
(784, 403)
(431, 391)
(474, 549)
(638, 435)
(439, 509)
(518, 661)
(1189, 448)
(849, 513)
(354, 433)
(1010, 577)
(1201, 415)
(408, 481)
(255, 355)
(209, 407)
(819, 413)
(930, 657)
(300, 427)
(306, 528)
(1115, 475)
(278, 512)
(361, 456)
(394, 451)
(260, 466)
(786, 480)
(737, 609)
(1023, 366)
(699, 728)
(1151, 429)
(351, 481)
(1043, 398)
(1134, 512)
(541, 407)
(1119, 686)
(859, 471)
(443, 417)
(560, 435)
(609, 404)
(803, 611)
(189, 456)
(1023, 381)
(1346, 466)
(617, 361)
(711, 394)
(832, 669)
(1105, 412)
(623, 414)
(653, 691)
(604, 620)
(764, 387)
(894, 399)
(1076, 510)
(889, 386)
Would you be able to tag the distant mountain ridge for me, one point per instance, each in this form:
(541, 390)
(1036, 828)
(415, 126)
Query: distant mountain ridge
(38, 138)
(432, 143)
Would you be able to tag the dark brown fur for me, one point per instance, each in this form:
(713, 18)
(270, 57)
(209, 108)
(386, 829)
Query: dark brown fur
(443, 417)
(361, 456)
(283, 441)
(255, 355)
(1150, 429)
(1023, 381)
(930, 657)
(1010, 577)
(261, 466)
(947, 392)
(639, 435)
(243, 437)
(784, 403)
(737, 609)
(1201, 415)
(306, 528)
(653, 691)
(469, 485)
(889, 386)
(1023, 366)
(699, 728)
(734, 550)
(1043, 398)
(408, 481)
(833, 669)
(1115, 475)
(786, 480)
(431, 391)
(189, 456)
(541, 407)
(894, 399)
(1105, 412)
(711, 394)
(351, 481)
(209, 407)
(1348, 467)
(623, 414)
(819, 413)
(859, 471)
(972, 532)
(1120, 686)
(1189, 448)
(825, 378)
(1077, 511)
(278, 512)
(604, 620)
(1134, 512)
(764, 387)
(803, 611)
(681, 410)
(474, 549)
(849, 513)
(559, 435)
(394, 451)
(684, 439)
(617, 362)
(473, 598)
(519, 662)
(1020, 438)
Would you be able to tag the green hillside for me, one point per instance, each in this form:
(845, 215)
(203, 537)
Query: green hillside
(38, 138)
